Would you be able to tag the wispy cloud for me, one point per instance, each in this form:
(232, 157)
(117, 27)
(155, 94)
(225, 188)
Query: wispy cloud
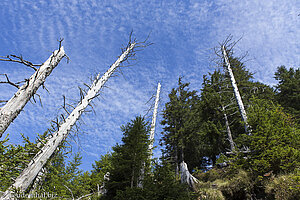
(182, 33)
(270, 31)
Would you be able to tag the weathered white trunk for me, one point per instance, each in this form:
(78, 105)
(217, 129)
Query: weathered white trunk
(84, 196)
(152, 129)
(236, 91)
(38, 180)
(102, 188)
(14, 106)
(36, 164)
(187, 177)
(151, 137)
(232, 148)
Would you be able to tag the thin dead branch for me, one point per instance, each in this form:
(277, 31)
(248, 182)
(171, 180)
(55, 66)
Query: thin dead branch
(19, 59)
(9, 82)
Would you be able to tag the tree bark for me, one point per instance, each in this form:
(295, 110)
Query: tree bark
(16, 104)
(232, 148)
(84, 196)
(187, 177)
(38, 180)
(236, 92)
(152, 130)
(176, 162)
(151, 137)
(29, 173)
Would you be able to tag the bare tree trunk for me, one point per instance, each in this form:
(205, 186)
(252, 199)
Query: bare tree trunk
(152, 130)
(38, 180)
(232, 148)
(102, 188)
(84, 196)
(70, 191)
(14, 106)
(187, 177)
(236, 91)
(176, 162)
(151, 138)
(29, 173)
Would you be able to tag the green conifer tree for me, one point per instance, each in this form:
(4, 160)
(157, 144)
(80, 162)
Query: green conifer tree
(275, 143)
(219, 108)
(288, 90)
(180, 119)
(162, 184)
(100, 168)
(128, 158)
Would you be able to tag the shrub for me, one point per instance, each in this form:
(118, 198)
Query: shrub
(284, 187)
(210, 194)
(237, 187)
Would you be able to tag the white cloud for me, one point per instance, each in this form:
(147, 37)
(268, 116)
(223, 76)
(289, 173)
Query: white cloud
(94, 32)
(270, 31)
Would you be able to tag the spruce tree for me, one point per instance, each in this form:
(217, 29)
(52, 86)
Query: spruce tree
(128, 157)
(288, 90)
(14, 158)
(100, 168)
(275, 143)
(214, 97)
(220, 118)
(163, 184)
(180, 120)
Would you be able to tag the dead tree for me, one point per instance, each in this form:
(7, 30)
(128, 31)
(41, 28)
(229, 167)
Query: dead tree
(38, 180)
(28, 175)
(236, 90)
(152, 129)
(151, 138)
(16, 104)
(232, 147)
(187, 177)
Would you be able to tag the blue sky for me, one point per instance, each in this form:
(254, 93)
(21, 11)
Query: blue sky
(183, 33)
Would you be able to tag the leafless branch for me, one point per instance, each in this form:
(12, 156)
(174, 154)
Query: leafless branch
(9, 82)
(87, 195)
(151, 99)
(38, 97)
(19, 59)
(70, 191)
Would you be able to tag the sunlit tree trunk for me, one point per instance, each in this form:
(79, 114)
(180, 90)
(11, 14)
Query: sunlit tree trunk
(36, 164)
(16, 104)
(152, 130)
(38, 180)
(151, 137)
(232, 148)
(236, 91)
(187, 177)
